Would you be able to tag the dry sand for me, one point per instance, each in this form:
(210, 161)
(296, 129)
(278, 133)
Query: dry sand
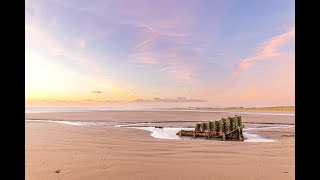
(89, 152)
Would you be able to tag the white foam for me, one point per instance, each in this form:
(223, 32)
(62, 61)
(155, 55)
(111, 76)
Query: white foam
(249, 137)
(165, 133)
(273, 126)
(252, 137)
(170, 133)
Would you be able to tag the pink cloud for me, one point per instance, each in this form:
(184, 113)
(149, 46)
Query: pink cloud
(181, 73)
(271, 46)
(161, 30)
(143, 43)
(147, 58)
(268, 51)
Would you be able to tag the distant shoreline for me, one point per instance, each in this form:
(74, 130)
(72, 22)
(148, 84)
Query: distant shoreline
(274, 108)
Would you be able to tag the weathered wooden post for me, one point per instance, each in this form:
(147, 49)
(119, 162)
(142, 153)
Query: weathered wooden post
(224, 129)
(207, 126)
(236, 122)
(201, 127)
(217, 129)
(197, 127)
(214, 128)
(239, 121)
(239, 135)
(224, 125)
(221, 126)
(211, 126)
(228, 128)
(232, 127)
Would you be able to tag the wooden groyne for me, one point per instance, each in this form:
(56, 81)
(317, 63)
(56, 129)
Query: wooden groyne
(226, 129)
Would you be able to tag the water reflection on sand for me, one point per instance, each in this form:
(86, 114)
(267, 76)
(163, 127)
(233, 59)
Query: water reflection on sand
(171, 128)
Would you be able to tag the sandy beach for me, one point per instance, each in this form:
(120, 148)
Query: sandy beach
(106, 152)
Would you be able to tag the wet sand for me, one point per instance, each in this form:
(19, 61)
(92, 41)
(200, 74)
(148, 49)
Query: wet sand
(163, 116)
(105, 152)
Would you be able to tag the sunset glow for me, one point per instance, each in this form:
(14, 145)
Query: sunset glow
(168, 52)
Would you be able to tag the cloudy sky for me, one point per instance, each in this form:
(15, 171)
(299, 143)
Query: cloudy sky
(168, 52)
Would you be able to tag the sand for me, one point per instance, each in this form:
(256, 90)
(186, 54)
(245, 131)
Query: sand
(159, 116)
(104, 152)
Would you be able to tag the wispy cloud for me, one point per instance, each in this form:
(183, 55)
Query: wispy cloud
(268, 51)
(176, 59)
(165, 42)
(143, 43)
(180, 73)
(147, 58)
(158, 32)
(98, 92)
(173, 100)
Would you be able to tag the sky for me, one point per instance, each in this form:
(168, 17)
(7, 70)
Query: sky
(166, 53)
